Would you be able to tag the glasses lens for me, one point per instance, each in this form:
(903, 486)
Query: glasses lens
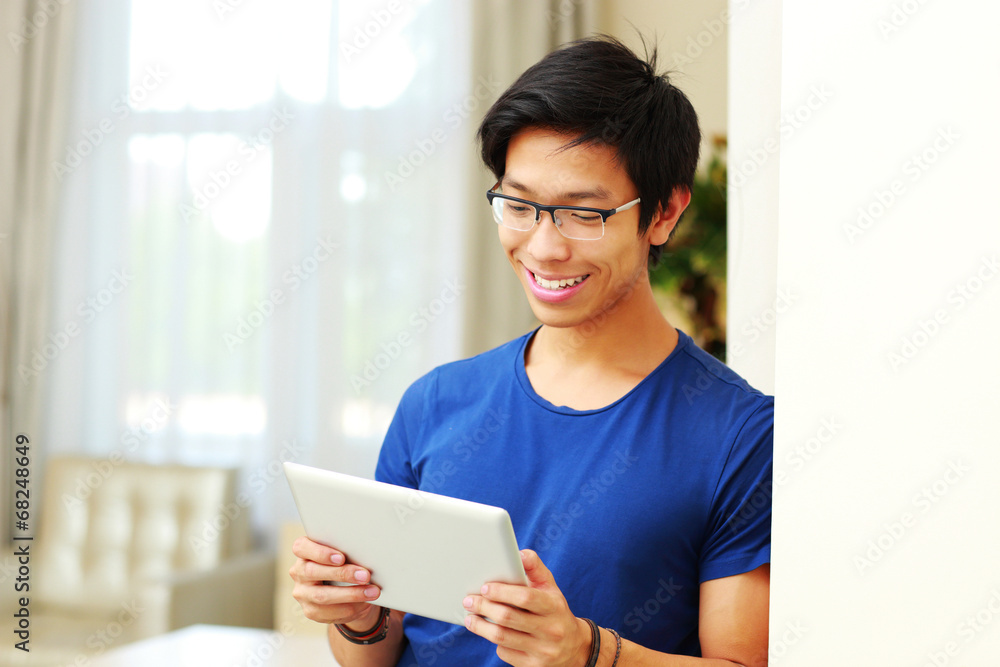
(584, 225)
(513, 214)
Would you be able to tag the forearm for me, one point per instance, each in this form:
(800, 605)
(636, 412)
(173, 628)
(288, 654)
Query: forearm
(385, 653)
(634, 655)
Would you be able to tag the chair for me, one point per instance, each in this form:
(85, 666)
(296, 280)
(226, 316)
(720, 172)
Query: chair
(126, 551)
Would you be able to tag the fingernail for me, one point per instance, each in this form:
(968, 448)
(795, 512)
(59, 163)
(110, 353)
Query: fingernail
(485, 589)
(467, 603)
(361, 576)
(337, 559)
(468, 621)
(371, 592)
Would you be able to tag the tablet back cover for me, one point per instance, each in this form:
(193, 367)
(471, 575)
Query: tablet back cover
(425, 551)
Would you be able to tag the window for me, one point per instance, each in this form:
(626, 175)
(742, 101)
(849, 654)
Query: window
(252, 241)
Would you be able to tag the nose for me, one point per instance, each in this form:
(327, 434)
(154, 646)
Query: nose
(546, 242)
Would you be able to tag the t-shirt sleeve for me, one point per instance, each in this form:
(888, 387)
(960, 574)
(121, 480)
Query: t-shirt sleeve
(739, 537)
(394, 461)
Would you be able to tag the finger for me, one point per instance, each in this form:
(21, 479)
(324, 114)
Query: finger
(324, 606)
(335, 604)
(516, 595)
(328, 595)
(310, 572)
(311, 567)
(499, 614)
(512, 657)
(538, 575)
(498, 634)
(306, 549)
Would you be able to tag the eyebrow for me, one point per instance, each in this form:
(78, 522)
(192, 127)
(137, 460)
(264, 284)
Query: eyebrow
(598, 192)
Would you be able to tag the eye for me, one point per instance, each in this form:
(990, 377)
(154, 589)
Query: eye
(519, 210)
(585, 217)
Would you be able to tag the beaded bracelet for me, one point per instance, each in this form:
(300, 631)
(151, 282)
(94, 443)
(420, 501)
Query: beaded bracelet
(595, 645)
(373, 636)
(618, 646)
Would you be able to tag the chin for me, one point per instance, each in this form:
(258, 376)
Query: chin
(555, 317)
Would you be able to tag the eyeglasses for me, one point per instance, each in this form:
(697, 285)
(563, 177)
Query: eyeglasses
(573, 222)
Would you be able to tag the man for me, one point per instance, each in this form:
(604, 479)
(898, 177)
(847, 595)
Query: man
(636, 469)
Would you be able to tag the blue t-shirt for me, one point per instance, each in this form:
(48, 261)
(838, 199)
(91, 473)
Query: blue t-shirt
(631, 506)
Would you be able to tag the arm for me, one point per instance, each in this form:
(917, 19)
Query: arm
(348, 605)
(732, 627)
(534, 625)
(733, 617)
(383, 654)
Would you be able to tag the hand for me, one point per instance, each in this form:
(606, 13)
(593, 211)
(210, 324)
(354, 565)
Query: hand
(324, 603)
(532, 625)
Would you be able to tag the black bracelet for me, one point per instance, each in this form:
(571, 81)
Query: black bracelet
(618, 646)
(373, 636)
(595, 643)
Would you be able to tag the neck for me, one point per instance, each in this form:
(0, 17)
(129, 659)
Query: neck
(631, 333)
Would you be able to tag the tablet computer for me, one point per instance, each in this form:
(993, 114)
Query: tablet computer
(425, 551)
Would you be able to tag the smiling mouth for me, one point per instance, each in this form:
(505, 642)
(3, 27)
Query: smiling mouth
(558, 284)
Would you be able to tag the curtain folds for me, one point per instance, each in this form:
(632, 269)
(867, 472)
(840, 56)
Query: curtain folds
(35, 63)
(268, 230)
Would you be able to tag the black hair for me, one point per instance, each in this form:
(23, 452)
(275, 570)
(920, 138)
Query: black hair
(601, 91)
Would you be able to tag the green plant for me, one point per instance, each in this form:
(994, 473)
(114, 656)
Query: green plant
(692, 270)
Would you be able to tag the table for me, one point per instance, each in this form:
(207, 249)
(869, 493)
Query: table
(221, 645)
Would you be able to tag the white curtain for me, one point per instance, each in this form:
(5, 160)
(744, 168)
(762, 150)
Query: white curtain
(261, 244)
(34, 75)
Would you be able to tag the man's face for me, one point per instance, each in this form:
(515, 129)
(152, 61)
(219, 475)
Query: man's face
(605, 273)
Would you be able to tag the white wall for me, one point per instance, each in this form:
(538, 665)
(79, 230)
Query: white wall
(692, 42)
(887, 375)
(756, 130)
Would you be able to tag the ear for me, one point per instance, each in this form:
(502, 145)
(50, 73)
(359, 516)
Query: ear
(665, 219)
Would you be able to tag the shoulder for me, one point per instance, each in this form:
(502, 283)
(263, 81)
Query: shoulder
(707, 402)
(705, 382)
(446, 398)
(479, 374)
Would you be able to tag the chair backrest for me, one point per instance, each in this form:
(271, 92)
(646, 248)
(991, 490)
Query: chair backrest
(108, 524)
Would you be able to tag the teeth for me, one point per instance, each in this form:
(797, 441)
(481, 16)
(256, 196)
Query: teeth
(558, 284)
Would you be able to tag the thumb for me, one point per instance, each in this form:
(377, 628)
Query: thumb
(538, 575)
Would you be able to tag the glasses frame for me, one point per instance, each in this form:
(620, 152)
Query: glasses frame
(605, 213)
